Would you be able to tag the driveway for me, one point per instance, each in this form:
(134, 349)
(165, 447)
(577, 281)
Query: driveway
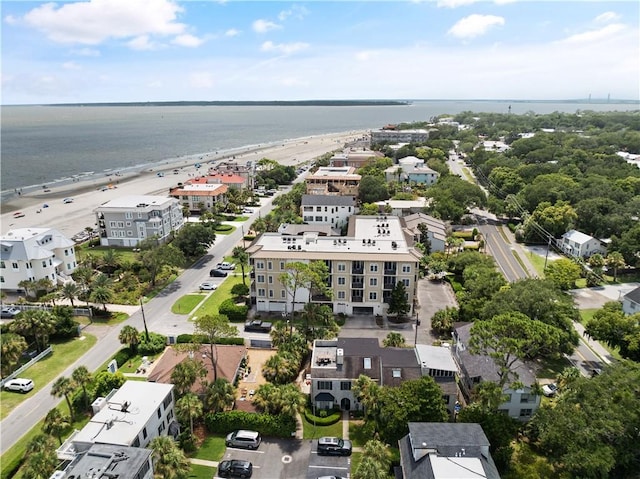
(596, 297)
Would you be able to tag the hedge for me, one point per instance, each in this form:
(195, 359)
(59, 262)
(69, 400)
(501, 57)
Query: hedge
(322, 421)
(249, 237)
(156, 344)
(234, 312)
(123, 356)
(224, 228)
(265, 424)
(188, 339)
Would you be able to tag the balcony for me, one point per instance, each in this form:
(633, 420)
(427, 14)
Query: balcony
(357, 269)
(357, 284)
(356, 299)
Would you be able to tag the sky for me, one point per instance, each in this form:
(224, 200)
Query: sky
(164, 50)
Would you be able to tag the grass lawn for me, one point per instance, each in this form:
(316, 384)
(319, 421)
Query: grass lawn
(212, 449)
(358, 433)
(227, 232)
(538, 263)
(551, 368)
(186, 303)
(241, 218)
(586, 315)
(313, 432)
(47, 369)
(134, 363)
(201, 472)
(210, 306)
(124, 255)
(116, 317)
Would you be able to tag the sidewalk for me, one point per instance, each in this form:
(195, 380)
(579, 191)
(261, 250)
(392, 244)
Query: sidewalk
(594, 345)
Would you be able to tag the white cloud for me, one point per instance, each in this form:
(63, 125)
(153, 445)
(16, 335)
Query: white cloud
(71, 66)
(366, 55)
(95, 21)
(295, 11)
(232, 32)
(596, 35)
(187, 40)
(143, 42)
(285, 48)
(10, 20)
(454, 3)
(607, 17)
(86, 52)
(201, 80)
(263, 26)
(475, 25)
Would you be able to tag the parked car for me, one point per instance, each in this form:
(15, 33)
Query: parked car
(257, 326)
(67, 200)
(235, 468)
(331, 477)
(9, 312)
(244, 439)
(334, 446)
(207, 286)
(19, 384)
(217, 273)
(226, 266)
(550, 389)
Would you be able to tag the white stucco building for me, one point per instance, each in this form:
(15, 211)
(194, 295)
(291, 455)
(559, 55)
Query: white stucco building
(31, 254)
(328, 209)
(578, 244)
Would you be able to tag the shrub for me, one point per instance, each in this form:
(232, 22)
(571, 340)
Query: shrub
(157, 343)
(188, 339)
(123, 356)
(265, 424)
(187, 441)
(224, 228)
(240, 289)
(341, 318)
(66, 326)
(324, 417)
(249, 237)
(234, 312)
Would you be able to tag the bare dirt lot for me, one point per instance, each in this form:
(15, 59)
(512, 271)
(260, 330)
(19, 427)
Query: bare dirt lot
(252, 380)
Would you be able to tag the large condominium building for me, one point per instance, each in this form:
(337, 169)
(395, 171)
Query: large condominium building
(329, 180)
(128, 220)
(399, 136)
(198, 195)
(31, 254)
(364, 266)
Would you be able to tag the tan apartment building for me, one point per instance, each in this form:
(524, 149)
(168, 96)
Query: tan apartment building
(330, 180)
(199, 195)
(364, 266)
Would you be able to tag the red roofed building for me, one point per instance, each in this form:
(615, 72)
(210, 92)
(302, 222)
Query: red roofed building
(231, 180)
(197, 194)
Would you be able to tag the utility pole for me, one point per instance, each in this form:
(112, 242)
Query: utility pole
(144, 321)
(546, 257)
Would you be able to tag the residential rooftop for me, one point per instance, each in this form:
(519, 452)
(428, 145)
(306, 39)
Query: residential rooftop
(106, 461)
(137, 201)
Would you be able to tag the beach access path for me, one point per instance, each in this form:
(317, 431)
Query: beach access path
(72, 218)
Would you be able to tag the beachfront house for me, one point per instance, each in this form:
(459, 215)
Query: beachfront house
(32, 254)
(333, 181)
(581, 245)
(389, 135)
(128, 220)
(364, 266)
(199, 195)
(402, 207)
(328, 209)
(130, 416)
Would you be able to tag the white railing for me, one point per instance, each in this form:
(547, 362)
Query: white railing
(26, 366)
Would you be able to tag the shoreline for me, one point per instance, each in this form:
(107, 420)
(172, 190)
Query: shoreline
(88, 194)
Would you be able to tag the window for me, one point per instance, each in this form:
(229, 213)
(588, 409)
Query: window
(167, 401)
(325, 385)
(15, 265)
(345, 385)
(66, 252)
(397, 373)
(129, 233)
(374, 268)
(406, 268)
(159, 412)
(136, 442)
(405, 281)
(160, 428)
(282, 294)
(145, 467)
(44, 265)
(1, 279)
(318, 208)
(260, 278)
(128, 223)
(341, 295)
(524, 397)
(112, 224)
(260, 264)
(120, 224)
(319, 218)
(373, 281)
(525, 412)
(367, 363)
(261, 292)
(282, 265)
(269, 265)
(342, 267)
(271, 293)
(2, 265)
(342, 280)
(270, 279)
(144, 433)
(373, 296)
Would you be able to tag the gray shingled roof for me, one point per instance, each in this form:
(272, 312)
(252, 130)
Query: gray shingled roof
(633, 295)
(328, 200)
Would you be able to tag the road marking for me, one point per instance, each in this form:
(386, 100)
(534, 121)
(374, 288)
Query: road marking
(329, 467)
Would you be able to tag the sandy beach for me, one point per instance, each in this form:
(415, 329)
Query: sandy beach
(72, 218)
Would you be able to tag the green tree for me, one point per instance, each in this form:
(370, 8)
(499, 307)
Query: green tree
(318, 322)
(194, 240)
(40, 458)
(375, 463)
(110, 261)
(56, 423)
(597, 262)
(242, 258)
(188, 408)
(394, 340)
(209, 329)
(311, 276)
(185, 375)
(555, 219)
(169, 462)
(28, 286)
(368, 392)
(220, 395)
(104, 382)
(13, 345)
(156, 257)
(102, 295)
(281, 368)
(398, 303)
(564, 273)
(611, 325)
(283, 399)
(64, 387)
(129, 336)
(442, 321)
(510, 337)
(82, 377)
(615, 260)
(70, 291)
(38, 324)
(372, 189)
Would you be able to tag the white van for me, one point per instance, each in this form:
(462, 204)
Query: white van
(244, 439)
(19, 384)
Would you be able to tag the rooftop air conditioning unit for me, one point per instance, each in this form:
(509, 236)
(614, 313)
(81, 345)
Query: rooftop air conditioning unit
(98, 405)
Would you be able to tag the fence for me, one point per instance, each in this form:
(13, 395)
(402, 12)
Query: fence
(34, 307)
(26, 366)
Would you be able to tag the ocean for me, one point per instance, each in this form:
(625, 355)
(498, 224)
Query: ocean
(49, 144)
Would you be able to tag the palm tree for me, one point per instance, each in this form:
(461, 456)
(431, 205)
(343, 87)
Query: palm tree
(102, 280)
(367, 391)
(102, 295)
(44, 284)
(185, 374)
(284, 399)
(41, 459)
(394, 340)
(56, 423)
(63, 386)
(189, 407)
(279, 334)
(111, 261)
(28, 286)
(12, 347)
(242, 258)
(375, 461)
(615, 260)
(280, 368)
(129, 336)
(169, 462)
(219, 395)
(70, 291)
(82, 377)
(36, 323)
(293, 401)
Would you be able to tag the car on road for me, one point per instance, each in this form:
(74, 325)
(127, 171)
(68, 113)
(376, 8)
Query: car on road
(207, 286)
(244, 439)
(334, 446)
(21, 385)
(550, 390)
(18, 214)
(235, 468)
(247, 211)
(226, 266)
(257, 326)
(66, 201)
(217, 273)
(331, 477)
(9, 312)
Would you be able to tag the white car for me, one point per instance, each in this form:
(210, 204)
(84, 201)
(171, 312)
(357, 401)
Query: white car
(207, 286)
(550, 390)
(19, 384)
(66, 201)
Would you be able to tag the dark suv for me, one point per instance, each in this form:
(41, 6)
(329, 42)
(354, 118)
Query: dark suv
(334, 446)
(235, 468)
(218, 273)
